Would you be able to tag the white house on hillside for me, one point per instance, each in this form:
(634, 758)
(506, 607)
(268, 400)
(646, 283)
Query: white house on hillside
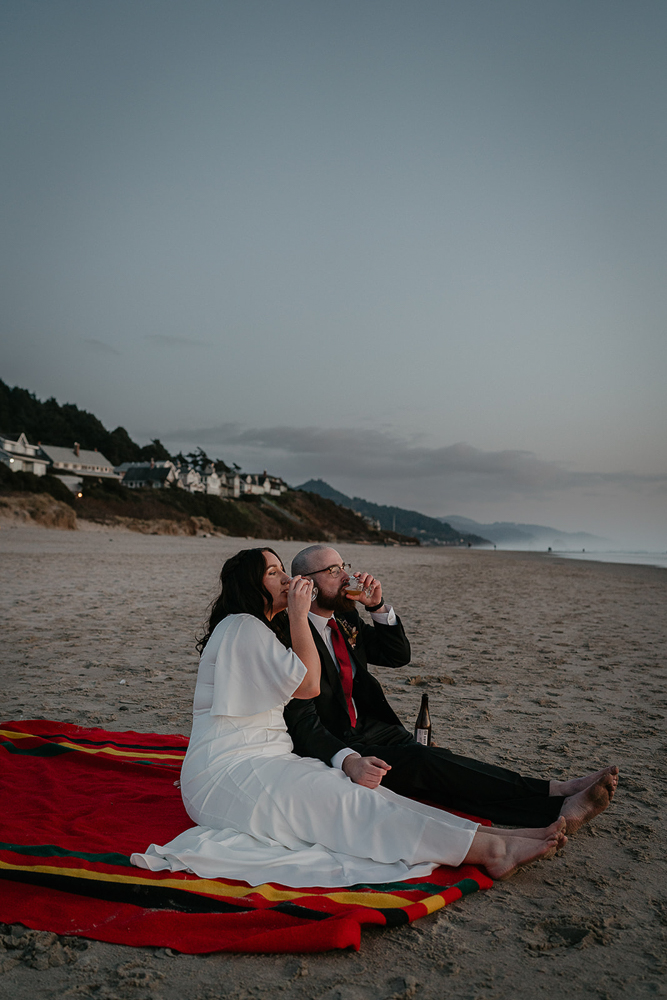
(21, 456)
(157, 475)
(189, 479)
(231, 485)
(261, 483)
(277, 486)
(210, 481)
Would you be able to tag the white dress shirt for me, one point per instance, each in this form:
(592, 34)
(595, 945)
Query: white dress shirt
(322, 625)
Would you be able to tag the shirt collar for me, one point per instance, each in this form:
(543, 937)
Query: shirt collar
(319, 621)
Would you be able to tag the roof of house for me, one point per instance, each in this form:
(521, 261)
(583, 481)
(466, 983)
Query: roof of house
(124, 466)
(90, 458)
(144, 474)
(22, 456)
(261, 476)
(15, 438)
(18, 444)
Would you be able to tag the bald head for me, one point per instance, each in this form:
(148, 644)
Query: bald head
(313, 558)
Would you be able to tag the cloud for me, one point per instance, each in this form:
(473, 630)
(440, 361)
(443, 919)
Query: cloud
(375, 456)
(164, 340)
(98, 346)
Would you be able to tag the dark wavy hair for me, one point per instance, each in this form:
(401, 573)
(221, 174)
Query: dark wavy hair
(242, 591)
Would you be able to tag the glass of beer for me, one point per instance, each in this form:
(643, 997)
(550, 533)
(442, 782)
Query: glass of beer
(353, 589)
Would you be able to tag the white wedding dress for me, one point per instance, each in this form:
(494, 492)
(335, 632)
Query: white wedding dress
(266, 815)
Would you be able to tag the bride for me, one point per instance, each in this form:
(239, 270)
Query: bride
(265, 815)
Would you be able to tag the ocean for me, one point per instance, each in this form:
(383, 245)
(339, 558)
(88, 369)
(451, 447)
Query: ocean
(636, 558)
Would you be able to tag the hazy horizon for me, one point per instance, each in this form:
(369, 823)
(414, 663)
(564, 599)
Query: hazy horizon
(415, 250)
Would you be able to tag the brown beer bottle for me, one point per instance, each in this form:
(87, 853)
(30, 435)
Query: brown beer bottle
(423, 724)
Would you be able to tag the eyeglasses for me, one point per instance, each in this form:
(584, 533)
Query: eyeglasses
(334, 571)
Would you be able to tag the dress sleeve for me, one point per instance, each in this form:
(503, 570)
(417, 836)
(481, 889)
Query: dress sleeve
(253, 670)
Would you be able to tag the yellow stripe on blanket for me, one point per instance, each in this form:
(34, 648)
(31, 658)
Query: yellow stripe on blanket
(374, 900)
(377, 900)
(120, 753)
(113, 751)
(208, 886)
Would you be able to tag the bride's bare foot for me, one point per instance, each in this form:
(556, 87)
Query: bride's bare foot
(501, 856)
(555, 829)
(575, 785)
(582, 807)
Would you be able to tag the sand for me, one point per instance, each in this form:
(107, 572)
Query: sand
(554, 667)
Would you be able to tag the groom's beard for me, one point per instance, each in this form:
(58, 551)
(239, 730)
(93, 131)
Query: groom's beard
(337, 603)
(343, 605)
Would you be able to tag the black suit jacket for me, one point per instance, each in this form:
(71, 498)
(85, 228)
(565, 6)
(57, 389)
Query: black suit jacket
(320, 727)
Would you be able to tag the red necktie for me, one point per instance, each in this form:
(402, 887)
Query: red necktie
(346, 676)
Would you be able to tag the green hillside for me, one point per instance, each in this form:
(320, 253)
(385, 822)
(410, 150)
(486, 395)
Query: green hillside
(293, 515)
(408, 522)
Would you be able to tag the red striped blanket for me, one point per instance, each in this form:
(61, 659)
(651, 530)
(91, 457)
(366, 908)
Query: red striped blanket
(77, 802)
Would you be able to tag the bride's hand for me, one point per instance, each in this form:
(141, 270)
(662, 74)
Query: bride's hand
(299, 597)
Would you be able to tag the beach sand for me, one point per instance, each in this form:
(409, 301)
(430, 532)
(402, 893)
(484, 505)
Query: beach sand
(553, 667)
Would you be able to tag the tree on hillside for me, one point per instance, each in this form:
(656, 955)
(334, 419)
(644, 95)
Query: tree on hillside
(198, 459)
(121, 447)
(154, 450)
(62, 425)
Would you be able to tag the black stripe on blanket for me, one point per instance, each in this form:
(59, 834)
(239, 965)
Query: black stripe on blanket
(148, 897)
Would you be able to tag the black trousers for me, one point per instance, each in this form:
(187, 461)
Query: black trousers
(460, 783)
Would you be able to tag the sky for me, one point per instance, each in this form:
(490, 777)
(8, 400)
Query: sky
(416, 249)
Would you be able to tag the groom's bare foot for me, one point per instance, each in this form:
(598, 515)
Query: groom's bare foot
(582, 807)
(509, 854)
(556, 829)
(575, 785)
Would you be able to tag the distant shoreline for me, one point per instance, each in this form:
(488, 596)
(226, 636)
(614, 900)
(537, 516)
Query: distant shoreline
(656, 559)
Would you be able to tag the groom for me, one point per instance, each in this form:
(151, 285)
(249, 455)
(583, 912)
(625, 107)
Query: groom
(350, 725)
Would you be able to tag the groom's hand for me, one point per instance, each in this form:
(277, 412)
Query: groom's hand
(367, 771)
(372, 595)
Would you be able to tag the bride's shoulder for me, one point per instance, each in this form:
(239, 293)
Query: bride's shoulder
(242, 636)
(242, 622)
